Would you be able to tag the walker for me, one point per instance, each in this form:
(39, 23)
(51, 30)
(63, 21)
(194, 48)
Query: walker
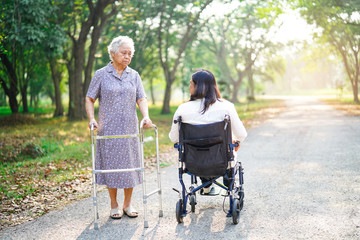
(141, 169)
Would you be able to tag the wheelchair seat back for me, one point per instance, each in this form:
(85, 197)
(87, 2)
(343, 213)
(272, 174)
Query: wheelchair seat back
(206, 148)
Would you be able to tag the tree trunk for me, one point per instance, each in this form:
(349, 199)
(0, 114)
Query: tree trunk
(78, 91)
(11, 93)
(356, 95)
(13, 90)
(56, 77)
(251, 96)
(77, 103)
(71, 73)
(95, 36)
(234, 93)
(356, 80)
(167, 97)
(52, 98)
(356, 87)
(2, 99)
(24, 99)
(36, 101)
(192, 28)
(152, 92)
(31, 100)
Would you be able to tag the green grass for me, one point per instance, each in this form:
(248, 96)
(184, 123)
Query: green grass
(344, 100)
(314, 92)
(37, 111)
(346, 104)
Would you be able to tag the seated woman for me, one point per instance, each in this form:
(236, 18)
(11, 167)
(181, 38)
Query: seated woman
(206, 106)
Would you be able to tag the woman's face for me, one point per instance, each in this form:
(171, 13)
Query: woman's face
(123, 55)
(192, 87)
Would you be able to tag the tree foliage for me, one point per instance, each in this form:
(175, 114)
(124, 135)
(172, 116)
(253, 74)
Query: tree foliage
(49, 44)
(23, 34)
(238, 39)
(180, 23)
(339, 22)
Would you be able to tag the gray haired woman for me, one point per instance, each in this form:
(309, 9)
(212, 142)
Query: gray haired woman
(118, 88)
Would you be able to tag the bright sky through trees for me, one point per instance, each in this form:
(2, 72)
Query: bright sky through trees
(293, 28)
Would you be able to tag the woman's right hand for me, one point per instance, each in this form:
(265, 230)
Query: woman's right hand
(93, 121)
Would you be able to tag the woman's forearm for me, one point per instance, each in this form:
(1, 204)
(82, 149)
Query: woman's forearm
(142, 103)
(89, 106)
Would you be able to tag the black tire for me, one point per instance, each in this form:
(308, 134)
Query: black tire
(241, 205)
(241, 199)
(193, 202)
(236, 211)
(179, 211)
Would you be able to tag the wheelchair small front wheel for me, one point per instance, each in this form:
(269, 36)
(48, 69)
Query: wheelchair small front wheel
(193, 202)
(236, 211)
(179, 211)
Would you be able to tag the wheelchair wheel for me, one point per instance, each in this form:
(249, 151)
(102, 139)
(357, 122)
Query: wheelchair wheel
(179, 211)
(193, 202)
(236, 211)
(241, 199)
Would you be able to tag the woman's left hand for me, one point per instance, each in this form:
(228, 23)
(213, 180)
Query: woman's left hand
(236, 148)
(147, 122)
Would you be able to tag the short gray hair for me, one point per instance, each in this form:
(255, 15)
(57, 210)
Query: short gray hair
(117, 42)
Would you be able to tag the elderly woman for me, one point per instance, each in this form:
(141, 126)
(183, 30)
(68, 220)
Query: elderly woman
(206, 106)
(119, 89)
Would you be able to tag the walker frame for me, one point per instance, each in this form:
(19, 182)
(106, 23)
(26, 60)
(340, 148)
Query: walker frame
(141, 169)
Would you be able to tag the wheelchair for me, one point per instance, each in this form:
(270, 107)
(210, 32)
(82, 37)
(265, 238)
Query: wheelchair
(206, 151)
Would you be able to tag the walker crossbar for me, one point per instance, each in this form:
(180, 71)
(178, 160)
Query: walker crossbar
(141, 169)
(119, 170)
(152, 193)
(118, 136)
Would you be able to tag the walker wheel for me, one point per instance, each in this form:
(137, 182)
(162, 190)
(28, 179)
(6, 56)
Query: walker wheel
(236, 211)
(179, 211)
(193, 202)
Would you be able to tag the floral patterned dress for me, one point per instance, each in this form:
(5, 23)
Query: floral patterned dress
(117, 116)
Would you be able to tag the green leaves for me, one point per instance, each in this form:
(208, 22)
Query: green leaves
(24, 21)
(341, 29)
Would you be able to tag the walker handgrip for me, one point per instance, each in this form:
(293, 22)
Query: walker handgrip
(92, 127)
(142, 123)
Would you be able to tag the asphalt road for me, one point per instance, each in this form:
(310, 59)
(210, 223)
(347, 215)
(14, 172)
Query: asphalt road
(302, 181)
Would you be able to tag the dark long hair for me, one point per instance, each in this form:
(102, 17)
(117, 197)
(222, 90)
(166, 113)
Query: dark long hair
(205, 87)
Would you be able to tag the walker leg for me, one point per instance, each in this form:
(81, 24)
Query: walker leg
(96, 213)
(158, 172)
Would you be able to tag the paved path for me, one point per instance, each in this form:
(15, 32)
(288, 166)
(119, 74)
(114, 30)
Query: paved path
(302, 181)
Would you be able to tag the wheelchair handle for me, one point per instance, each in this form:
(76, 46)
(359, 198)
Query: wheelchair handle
(227, 120)
(177, 120)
